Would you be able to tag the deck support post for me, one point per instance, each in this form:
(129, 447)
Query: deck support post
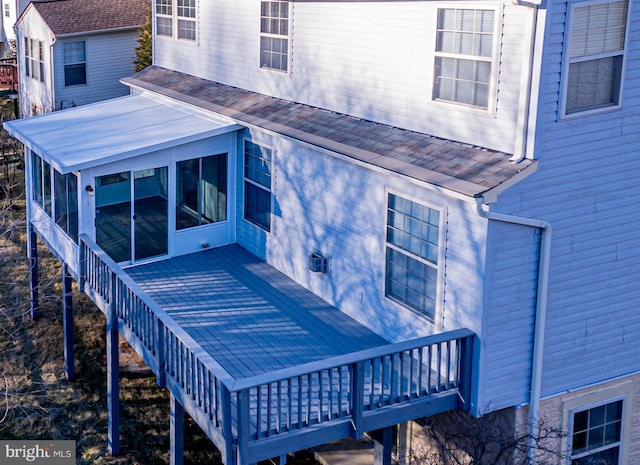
(113, 374)
(67, 323)
(176, 432)
(382, 446)
(32, 239)
(404, 443)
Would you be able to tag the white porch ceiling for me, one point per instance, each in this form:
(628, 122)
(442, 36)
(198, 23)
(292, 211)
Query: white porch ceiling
(113, 130)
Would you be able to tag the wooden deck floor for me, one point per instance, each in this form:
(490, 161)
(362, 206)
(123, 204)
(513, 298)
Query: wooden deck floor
(248, 316)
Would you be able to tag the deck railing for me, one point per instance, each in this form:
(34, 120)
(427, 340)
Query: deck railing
(257, 417)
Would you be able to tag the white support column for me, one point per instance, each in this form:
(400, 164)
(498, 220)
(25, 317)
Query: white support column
(176, 432)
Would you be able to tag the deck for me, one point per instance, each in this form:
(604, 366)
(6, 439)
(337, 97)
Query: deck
(263, 365)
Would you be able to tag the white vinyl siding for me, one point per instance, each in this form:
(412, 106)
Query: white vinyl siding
(373, 60)
(595, 56)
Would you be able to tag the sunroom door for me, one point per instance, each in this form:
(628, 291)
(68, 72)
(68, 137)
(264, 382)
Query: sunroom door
(127, 230)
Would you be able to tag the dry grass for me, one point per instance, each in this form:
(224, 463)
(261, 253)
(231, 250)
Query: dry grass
(36, 401)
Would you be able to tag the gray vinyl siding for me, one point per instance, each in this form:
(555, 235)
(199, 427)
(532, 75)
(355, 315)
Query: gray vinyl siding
(587, 188)
(328, 205)
(368, 59)
(109, 57)
(508, 321)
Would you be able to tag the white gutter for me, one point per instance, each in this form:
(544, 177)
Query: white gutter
(540, 315)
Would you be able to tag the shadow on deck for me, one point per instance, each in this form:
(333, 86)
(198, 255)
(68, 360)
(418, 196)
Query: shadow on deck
(264, 366)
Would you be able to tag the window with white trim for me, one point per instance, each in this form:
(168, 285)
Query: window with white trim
(75, 63)
(274, 35)
(257, 185)
(464, 56)
(176, 18)
(593, 69)
(596, 435)
(34, 58)
(412, 254)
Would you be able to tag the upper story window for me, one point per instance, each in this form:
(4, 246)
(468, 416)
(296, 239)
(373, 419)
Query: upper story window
(596, 435)
(75, 64)
(201, 191)
(274, 35)
(412, 254)
(464, 56)
(595, 50)
(176, 18)
(257, 185)
(7, 10)
(34, 58)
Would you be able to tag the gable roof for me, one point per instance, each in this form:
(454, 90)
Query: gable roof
(77, 16)
(462, 168)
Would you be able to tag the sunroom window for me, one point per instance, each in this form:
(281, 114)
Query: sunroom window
(201, 196)
(412, 254)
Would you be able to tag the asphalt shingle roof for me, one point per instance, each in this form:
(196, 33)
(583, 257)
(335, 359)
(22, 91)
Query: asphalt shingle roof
(74, 16)
(444, 163)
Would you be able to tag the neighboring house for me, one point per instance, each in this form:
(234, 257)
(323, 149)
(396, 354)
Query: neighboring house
(404, 161)
(74, 52)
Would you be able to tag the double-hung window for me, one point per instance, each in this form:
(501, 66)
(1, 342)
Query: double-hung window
(75, 64)
(257, 185)
(464, 56)
(34, 58)
(274, 35)
(595, 50)
(412, 254)
(596, 435)
(176, 18)
(201, 191)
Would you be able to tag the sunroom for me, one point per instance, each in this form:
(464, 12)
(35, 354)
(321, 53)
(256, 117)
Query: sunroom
(137, 198)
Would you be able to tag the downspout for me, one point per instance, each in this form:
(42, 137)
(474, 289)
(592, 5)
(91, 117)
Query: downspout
(530, 95)
(540, 315)
(52, 77)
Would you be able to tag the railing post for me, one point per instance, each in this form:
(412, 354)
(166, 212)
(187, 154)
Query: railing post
(226, 419)
(161, 378)
(243, 427)
(357, 398)
(465, 373)
(82, 265)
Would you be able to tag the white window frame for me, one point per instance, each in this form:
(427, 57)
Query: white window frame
(589, 57)
(171, 13)
(34, 65)
(271, 35)
(73, 63)
(617, 444)
(596, 396)
(493, 59)
(439, 266)
(259, 185)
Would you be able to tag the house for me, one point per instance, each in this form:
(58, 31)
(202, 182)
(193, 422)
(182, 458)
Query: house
(454, 182)
(74, 52)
